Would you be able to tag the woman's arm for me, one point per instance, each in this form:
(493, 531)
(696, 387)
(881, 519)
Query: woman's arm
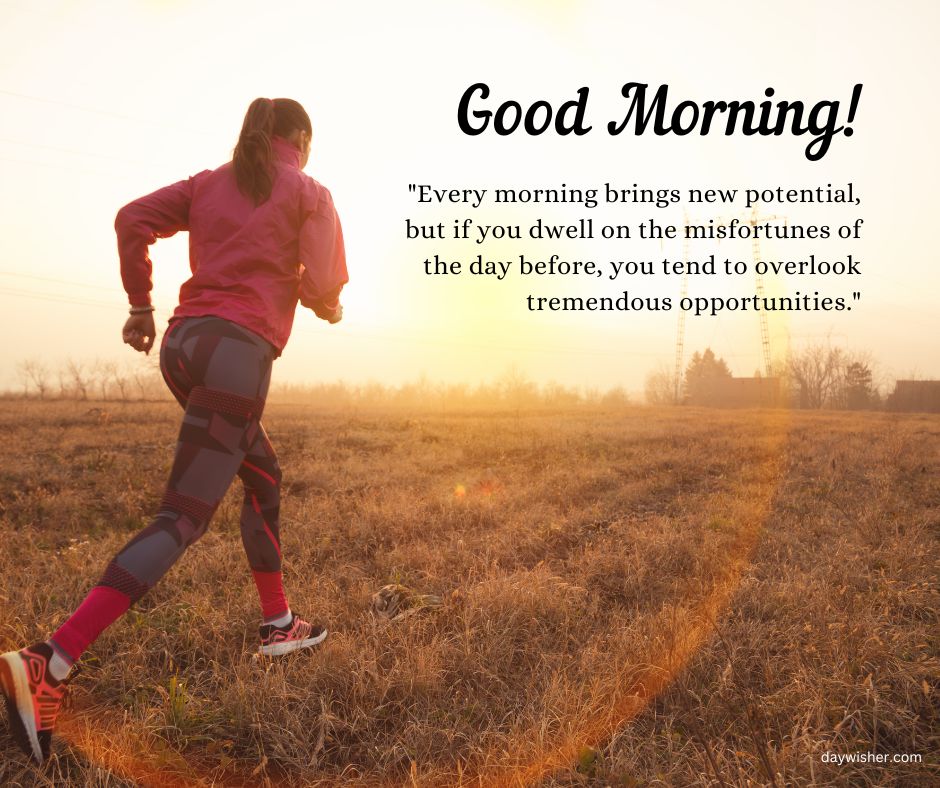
(322, 255)
(138, 224)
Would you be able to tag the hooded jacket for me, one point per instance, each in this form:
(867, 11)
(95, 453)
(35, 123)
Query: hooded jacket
(250, 263)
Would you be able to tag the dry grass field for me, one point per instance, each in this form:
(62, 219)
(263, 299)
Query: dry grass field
(632, 597)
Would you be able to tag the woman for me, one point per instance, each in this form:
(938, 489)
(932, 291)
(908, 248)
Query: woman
(262, 235)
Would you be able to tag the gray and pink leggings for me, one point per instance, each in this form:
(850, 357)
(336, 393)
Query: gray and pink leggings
(219, 372)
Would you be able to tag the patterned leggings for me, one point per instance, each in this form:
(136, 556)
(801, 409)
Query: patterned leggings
(219, 372)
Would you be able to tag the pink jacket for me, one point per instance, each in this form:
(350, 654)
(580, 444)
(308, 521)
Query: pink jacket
(250, 264)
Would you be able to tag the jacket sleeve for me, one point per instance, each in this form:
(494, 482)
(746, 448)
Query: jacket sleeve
(138, 224)
(322, 252)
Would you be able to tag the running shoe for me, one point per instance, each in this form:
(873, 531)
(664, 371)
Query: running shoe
(33, 697)
(298, 634)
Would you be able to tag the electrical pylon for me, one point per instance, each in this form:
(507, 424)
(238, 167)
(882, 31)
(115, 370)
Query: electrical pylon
(684, 291)
(753, 220)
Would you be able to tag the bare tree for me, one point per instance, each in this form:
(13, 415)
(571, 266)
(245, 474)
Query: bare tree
(485, 394)
(79, 376)
(103, 371)
(121, 381)
(140, 376)
(659, 388)
(142, 373)
(558, 396)
(38, 374)
(516, 389)
(32, 373)
(591, 395)
(24, 378)
(62, 376)
(454, 393)
(817, 372)
(615, 398)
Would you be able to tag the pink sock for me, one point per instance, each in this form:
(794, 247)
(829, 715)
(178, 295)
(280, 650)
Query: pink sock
(271, 592)
(101, 608)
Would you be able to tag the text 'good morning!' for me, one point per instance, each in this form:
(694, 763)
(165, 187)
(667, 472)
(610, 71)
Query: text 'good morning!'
(475, 115)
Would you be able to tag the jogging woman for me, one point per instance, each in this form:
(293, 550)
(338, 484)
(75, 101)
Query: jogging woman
(262, 235)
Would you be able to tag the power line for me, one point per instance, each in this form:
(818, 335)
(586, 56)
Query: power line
(68, 300)
(62, 281)
(69, 167)
(53, 297)
(61, 299)
(72, 151)
(102, 112)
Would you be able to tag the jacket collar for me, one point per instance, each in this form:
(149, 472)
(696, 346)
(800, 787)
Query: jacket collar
(285, 151)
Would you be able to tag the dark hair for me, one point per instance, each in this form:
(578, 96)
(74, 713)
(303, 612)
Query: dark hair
(252, 157)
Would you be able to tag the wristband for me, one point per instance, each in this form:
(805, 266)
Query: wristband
(141, 310)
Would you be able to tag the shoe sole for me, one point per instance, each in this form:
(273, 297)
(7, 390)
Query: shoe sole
(287, 646)
(15, 685)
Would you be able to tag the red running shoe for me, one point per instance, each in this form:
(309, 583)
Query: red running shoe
(33, 697)
(298, 634)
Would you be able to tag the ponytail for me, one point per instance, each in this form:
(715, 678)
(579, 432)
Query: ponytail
(253, 158)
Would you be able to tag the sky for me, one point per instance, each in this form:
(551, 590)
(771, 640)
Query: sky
(103, 102)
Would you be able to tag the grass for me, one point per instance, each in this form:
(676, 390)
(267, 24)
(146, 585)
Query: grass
(632, 597)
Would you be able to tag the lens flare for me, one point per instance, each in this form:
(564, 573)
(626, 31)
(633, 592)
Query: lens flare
(614, 699)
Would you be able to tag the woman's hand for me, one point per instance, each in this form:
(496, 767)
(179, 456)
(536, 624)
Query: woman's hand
(140, 332)
(331, 312)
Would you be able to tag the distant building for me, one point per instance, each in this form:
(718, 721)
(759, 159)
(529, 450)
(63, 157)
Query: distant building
(915, 395)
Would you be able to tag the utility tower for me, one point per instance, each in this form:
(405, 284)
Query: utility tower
(752, 219)
(680, 335)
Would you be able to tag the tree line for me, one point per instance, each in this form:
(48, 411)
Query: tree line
(816, 376)
(107, 380)
(95, 379)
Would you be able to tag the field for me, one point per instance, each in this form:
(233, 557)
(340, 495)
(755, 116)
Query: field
(632, 597)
